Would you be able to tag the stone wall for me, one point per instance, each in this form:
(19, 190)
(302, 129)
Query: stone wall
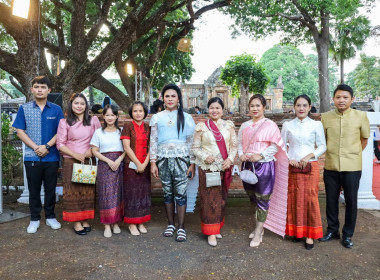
(237, 186)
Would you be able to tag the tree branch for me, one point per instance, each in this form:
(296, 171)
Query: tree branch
(6, 92)
(94, 31)
(116, 94)
(7, 60)
(16, 85)
(303, 11)
(78, 45)
(61, 5)
(197, 14)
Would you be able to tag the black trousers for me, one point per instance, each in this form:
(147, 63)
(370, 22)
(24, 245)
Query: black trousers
(349, 181)
(36, 173)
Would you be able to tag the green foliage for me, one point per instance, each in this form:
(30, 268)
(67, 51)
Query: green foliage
(312, 61)
(175, 67)
(366, 76)
(10, 156)
(6, 84)
(259, 18)
(350, 35)
(296, 71)
(244, 70)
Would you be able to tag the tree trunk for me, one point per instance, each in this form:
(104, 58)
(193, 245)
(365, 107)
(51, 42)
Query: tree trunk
(91, 97)
(342, 71)
(323, 70)
(243, 99)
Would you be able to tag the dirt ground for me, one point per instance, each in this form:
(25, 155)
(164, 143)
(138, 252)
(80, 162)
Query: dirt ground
(62, 254)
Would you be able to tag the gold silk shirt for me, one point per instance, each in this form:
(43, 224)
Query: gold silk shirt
(343, 133)
(205, 145)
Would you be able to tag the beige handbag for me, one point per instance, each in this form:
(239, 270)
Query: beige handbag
(213, 179)
(84, 173)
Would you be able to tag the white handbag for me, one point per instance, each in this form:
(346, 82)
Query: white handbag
(213, 179)
(248, 176)
(84, 173)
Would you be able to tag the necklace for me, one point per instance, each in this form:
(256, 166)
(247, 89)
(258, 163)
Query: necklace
(217, 134)
(170, 122)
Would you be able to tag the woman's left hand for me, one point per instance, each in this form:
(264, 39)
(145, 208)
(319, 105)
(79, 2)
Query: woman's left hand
(226, 164)
(192, 170)
(88, 153)
(303, 162)
(255, 158)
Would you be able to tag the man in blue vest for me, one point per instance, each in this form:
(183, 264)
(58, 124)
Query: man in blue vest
(37, 123)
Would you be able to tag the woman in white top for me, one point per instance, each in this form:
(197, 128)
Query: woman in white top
(108, 148)
(306, 142)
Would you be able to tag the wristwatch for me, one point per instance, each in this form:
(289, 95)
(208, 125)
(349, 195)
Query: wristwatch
(47, 146)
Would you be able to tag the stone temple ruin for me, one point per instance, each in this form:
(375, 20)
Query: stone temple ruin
(199, 94)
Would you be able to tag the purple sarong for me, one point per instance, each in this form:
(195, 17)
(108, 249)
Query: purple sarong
(260, 193)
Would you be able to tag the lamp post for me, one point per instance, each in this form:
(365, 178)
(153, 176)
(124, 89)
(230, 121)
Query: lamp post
(138, 81)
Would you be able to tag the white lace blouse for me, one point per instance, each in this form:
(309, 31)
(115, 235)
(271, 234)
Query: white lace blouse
(164, 139)
(205, 145)
(304, 137)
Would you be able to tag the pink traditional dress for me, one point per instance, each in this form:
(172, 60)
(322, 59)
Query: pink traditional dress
(269, 194)
(78, 199)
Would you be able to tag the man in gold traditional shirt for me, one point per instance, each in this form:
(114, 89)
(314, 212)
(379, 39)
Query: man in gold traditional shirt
(347, 132)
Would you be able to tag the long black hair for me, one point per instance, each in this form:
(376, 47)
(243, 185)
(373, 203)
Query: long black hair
(71, 117)
(180, 116)
(115, 111)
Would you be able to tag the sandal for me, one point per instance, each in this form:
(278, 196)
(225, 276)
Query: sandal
(169, 232)
(181, 235)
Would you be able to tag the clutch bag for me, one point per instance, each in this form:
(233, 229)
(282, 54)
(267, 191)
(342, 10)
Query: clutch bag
(84, 173)
(307, 169)
(213, 179)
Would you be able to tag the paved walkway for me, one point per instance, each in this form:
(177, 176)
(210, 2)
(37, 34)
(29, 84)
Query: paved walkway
(61, 254)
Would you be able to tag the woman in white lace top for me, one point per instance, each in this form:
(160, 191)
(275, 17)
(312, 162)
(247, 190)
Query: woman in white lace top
(306, 142)
(215, 148)
(171, 158)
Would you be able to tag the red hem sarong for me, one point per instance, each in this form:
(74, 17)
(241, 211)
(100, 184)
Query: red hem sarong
(212, 229)
(78, 216)
(138, 220)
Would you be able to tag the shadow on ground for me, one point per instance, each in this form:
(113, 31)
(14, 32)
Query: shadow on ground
(62, 254)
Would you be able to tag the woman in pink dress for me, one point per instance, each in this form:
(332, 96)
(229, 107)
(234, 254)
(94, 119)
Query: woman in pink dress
(73, 141)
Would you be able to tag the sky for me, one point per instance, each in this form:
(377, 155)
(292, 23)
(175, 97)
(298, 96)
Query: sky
(213, 45)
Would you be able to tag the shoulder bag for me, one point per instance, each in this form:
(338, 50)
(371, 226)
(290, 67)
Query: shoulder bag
(247, 175)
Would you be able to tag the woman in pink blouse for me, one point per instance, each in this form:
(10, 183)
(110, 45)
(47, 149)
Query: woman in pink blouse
(73, 141)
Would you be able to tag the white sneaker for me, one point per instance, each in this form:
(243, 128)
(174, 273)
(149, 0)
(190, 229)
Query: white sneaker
(53, 223)
(33, 226)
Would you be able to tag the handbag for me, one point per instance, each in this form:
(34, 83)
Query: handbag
(305, 170)
(213, 179)
(84, 173)
(248, 176)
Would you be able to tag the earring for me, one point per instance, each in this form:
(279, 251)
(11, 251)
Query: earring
(178, 105)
